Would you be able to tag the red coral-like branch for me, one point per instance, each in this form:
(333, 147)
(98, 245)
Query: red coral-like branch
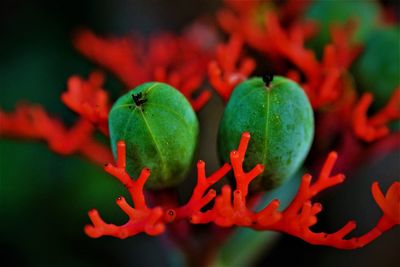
(231, 208)
(300, 215)
(33, 122)
(224, 212)
(178, 61)
(389, 204)
(141, 218)
(119, 55)
(376, 127)
(229, 69)
(345, 51)
(187, 86)
(88, 99)
(322, 78)
(322, 83)
(199, 199)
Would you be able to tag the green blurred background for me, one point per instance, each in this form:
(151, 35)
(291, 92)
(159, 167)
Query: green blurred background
(45, 197)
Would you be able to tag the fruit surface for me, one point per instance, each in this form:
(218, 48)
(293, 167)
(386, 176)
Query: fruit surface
(280, 121)
(160, 130)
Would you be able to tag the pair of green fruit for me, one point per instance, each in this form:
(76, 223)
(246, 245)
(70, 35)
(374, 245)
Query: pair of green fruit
(161, 129)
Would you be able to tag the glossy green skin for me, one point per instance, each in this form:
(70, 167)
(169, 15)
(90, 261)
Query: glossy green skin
(160, 134)
(281, 124)
(377, 69)
(329, 12)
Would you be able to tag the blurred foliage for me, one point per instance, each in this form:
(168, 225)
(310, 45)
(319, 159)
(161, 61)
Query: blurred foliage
(377, 70)
(338, 12)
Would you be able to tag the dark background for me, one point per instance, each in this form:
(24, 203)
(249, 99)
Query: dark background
(45, 197)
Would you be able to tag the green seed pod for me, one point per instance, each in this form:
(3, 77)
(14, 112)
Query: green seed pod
(280, 120)
(379, 62)
(160, 130)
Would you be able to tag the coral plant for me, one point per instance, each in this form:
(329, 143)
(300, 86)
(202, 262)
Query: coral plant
(258, 32)
(231, 207)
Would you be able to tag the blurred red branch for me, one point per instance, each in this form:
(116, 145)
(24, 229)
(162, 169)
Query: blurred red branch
(32, 122)
(84, 97)
(89, 99)
(229, 69)
(179, 61)
(376, 127)
(279, 44)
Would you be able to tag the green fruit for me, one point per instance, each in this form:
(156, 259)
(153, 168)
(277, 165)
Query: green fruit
(160, 130)
(328, 13)
(377, 68)
(280, 121)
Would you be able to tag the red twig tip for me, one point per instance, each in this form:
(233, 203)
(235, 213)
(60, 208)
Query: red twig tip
(88, 99)
(376, 127)
(121, 158)
(229, 68)
(141, 217)
(33, 122)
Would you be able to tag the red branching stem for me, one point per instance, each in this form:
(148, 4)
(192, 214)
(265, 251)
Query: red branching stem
(322, 78)
(141, 218)
(88, 99)
(178, 61)
(121, 152)
(291, 45)
(85, 97)
(187, 86)
(229, 69)
(33, 122)
(242, 178)
(116, 54)
(300, 215)
(346, 52)
(389, 204)
(231, 208)
(225, 213)
(376, 127)
(198, 200)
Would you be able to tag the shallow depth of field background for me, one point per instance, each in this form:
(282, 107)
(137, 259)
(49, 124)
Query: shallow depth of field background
(44, 197)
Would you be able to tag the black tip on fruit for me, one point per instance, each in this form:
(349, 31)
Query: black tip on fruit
(267, 79)
(138, 99)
